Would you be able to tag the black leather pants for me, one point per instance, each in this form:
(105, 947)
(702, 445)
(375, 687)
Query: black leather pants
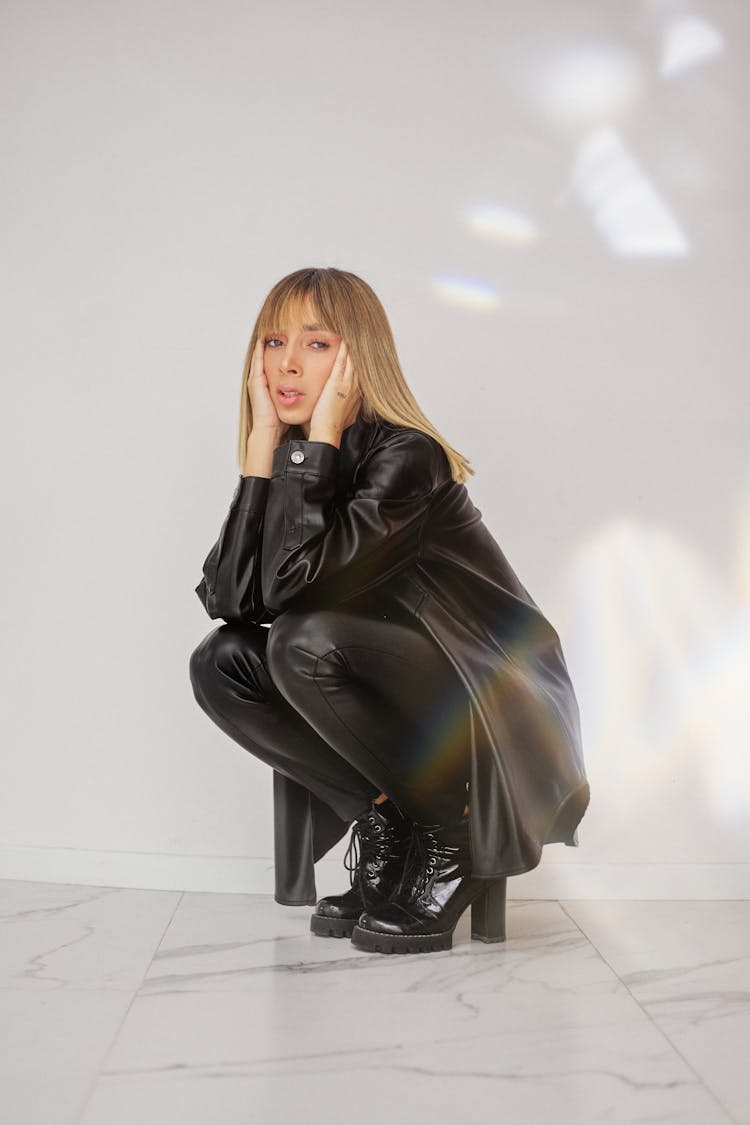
(347, 703)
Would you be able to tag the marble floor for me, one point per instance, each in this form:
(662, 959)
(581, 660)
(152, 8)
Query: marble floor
(157, 1007)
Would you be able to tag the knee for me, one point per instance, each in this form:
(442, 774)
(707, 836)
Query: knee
(297, 642)
(203, 662)
(216, 654)
(283, 636)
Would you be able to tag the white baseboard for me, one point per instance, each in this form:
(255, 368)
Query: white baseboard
(254, 875)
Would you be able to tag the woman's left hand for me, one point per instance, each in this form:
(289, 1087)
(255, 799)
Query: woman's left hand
(339, 401)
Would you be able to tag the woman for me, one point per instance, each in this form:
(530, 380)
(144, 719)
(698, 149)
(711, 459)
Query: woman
(408, 682)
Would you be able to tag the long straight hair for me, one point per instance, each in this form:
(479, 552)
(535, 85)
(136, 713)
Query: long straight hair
(346, 305)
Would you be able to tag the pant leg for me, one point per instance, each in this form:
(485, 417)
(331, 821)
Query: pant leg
(384, 696)
(231, 683)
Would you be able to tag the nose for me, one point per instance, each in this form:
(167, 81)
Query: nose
(288, 361)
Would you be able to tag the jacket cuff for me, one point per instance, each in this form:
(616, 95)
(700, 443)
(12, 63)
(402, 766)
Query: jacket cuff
(251, 494)
(297, 456)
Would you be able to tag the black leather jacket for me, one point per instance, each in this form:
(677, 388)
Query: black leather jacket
(382, 518)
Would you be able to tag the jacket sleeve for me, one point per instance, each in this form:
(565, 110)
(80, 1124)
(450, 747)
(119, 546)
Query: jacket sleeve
(320, 549)
(230, 587)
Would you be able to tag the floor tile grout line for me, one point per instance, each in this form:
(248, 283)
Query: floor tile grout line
(709, 1090)
(115, 1036)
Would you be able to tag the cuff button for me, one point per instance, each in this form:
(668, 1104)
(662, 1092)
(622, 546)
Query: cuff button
(297, 456)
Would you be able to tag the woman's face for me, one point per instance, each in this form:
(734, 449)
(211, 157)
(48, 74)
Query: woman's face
(299, 356)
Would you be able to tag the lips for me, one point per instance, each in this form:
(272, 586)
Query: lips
(288, 399)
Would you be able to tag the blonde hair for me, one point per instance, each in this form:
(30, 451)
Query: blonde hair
(345, 304)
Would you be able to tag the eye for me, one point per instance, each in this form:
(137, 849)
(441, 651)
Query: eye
(270, 340)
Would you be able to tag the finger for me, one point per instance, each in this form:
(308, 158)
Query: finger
(348, 376)
(341, 358)
(260, 367)
(345, 381)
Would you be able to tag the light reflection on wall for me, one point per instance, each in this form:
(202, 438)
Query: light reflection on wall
(661, 651)
(688, 42)
(497, 223)
(587, 84)
(466, 292)
(625, 206)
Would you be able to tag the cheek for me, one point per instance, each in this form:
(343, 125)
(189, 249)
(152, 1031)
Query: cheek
(323, 368)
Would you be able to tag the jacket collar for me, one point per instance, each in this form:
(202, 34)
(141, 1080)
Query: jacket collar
(355, 438)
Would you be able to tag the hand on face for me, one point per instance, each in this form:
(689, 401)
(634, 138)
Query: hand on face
(340, 398)
(264, 413)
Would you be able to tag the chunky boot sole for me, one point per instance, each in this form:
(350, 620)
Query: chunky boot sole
(401, 943)
(487, 924)
(331, 927)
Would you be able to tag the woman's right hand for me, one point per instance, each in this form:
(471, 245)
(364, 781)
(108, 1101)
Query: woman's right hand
(263, 410)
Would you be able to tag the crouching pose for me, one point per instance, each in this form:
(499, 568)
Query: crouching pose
(378, 651)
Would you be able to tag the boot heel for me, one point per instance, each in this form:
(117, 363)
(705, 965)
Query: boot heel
(488, 912)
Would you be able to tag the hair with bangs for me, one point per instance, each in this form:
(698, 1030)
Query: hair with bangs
(346, 305)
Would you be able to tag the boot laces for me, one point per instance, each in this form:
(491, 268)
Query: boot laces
(428, 851)
(370, 845)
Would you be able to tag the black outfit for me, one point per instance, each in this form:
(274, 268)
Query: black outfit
(404, 656)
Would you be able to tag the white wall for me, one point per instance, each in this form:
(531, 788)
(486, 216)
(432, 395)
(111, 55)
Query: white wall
(165, 164)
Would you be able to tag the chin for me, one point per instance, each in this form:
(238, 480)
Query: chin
(295, 424)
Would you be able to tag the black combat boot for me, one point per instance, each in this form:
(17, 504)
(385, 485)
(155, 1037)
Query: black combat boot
(384, 837)
(437, 886)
